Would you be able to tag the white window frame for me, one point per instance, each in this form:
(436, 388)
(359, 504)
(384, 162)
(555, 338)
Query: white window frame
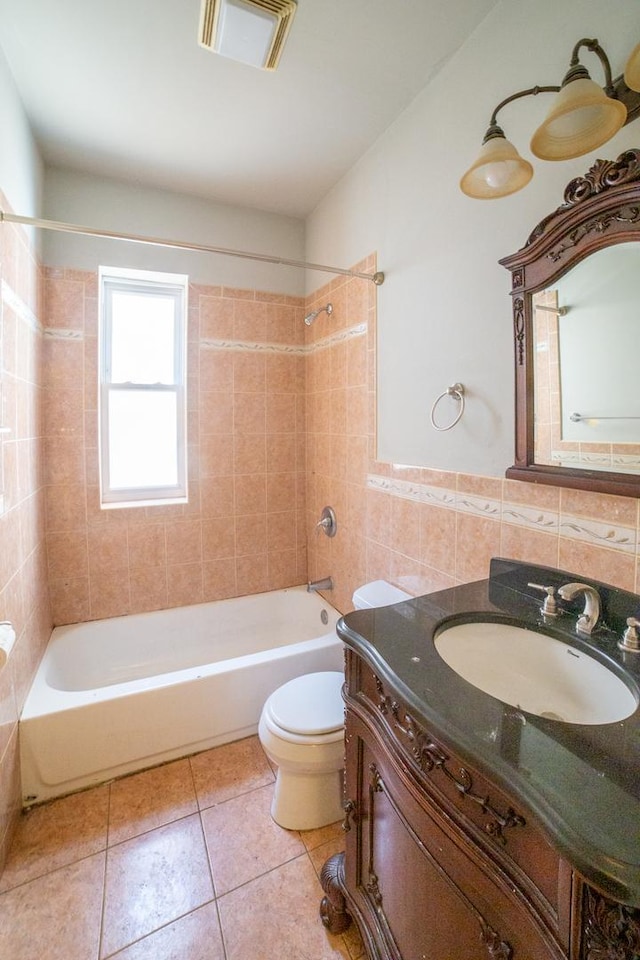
(175, 285)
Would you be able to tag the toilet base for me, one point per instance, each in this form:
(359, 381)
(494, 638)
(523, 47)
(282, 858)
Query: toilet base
(307, 801)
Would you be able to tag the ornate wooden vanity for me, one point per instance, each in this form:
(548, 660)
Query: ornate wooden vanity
(473, 830)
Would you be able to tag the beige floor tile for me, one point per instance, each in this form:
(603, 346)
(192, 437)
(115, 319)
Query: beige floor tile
(229, 771)
(56, 834)
(57, 916)
(277, 916)
(315, 838)
(194, 937)
(150, 799)
(244, 842)
(353, 942)
(153, 880)
(319, 855)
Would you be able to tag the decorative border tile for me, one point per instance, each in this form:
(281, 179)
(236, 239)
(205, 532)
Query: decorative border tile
(19, 307)
(616, 537)
(546, 521)
(60, 333)
(303, 350)
(628, 461)
(605, 461)
(419, 492)
(479, 507)
(600, 534)
(246, 346)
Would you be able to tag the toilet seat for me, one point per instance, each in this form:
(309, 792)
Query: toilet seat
(301, 730)
(308, 707)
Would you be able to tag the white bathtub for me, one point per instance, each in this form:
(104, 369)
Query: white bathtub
(114, 696)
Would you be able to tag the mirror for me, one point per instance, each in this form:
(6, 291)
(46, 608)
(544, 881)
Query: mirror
(576, 310)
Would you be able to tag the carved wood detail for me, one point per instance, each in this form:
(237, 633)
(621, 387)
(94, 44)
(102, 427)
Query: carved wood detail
(496, 948)
(333, 912)
(601, 224)
(430, 758)
(517, 279)
(602, 176)
(519, 328)
(611, 930)
(376, 785)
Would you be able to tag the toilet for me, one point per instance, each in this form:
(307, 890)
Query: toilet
(301, 730)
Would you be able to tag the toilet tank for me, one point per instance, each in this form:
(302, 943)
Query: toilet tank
(378, 593)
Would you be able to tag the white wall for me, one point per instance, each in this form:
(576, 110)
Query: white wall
(444, 313)
(132, 208)
(20, 163)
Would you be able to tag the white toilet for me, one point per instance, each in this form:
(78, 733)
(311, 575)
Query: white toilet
(302, 731)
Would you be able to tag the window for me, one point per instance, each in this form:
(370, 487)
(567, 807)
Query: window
(142, 387)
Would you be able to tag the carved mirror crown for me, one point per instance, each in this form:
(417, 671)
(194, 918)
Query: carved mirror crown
(575, 439)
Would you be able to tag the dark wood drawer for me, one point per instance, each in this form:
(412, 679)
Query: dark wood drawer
(463, 909)
(506, 833)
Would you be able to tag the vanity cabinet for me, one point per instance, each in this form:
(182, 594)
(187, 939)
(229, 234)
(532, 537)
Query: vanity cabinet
(440, 863)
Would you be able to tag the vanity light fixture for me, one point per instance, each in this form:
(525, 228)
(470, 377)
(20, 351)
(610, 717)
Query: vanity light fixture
(251, 31)
(632, 70)
(582, 117)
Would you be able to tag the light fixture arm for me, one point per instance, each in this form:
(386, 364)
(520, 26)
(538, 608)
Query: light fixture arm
(496, 131)
(577, 71)
(582, 117)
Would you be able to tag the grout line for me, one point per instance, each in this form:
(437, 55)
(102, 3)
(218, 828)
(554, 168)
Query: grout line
(104, 876)
(156, 930)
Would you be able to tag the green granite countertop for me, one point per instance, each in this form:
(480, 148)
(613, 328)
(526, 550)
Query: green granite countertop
(582, 782)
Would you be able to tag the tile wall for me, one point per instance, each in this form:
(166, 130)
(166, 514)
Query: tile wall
(424, 529)
(23, 574)
(243, 529)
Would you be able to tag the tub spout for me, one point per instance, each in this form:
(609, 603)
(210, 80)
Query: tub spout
(314, 585)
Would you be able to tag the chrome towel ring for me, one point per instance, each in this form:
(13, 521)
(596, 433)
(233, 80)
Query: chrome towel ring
(455, 390)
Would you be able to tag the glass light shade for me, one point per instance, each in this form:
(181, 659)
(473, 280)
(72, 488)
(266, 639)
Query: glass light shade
(498, 171)
(582, 118)
(632, 70)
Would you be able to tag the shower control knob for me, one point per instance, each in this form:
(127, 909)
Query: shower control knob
(328, 522)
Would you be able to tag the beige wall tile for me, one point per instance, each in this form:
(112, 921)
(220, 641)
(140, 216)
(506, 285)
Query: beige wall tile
(611, 566)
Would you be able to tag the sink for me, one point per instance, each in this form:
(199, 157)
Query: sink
(536, 673)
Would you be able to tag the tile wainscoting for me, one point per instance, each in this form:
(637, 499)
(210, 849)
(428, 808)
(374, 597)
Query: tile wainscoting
(426, 529)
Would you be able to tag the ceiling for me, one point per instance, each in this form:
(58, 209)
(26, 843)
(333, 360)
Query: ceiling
(121, 88)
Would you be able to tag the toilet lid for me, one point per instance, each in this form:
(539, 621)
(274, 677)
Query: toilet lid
(309, 705)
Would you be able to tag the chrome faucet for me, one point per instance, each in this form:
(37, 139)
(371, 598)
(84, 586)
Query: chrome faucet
(591, 613)
(314, 585)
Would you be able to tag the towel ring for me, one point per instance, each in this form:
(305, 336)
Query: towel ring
(455, 390)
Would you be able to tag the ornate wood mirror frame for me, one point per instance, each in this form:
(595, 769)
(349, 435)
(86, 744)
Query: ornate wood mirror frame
(600, 210)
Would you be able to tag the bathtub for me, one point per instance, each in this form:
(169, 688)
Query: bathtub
(114, 696)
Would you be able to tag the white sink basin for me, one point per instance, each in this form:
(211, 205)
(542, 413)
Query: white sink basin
(535, 673)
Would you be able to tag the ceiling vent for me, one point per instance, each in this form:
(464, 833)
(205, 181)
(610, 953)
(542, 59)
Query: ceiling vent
(251, 31)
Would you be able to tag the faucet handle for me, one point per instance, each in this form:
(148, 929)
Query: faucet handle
(630, 640)
(327, 522)
(550, 607)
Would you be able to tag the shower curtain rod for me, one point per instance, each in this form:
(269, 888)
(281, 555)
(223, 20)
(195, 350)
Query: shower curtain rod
(377, 277)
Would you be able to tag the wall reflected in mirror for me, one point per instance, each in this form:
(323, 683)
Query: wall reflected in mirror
(586, 369)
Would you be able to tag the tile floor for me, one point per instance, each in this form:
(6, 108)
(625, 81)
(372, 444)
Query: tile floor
(182, 862)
